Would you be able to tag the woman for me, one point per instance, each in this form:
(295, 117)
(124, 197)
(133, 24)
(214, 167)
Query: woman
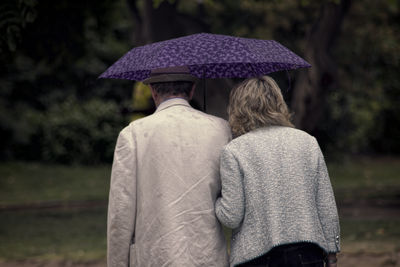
(276, 192)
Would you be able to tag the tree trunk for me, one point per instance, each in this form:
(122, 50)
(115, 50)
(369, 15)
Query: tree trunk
(164, 22)
(308, 99)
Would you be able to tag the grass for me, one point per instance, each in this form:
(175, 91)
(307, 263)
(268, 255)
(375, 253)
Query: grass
(27, 183)
(365, 172)
(73, 234)
(60, 234)
(370, 235)
(80, 233)
(377, 236)
(22, 183)
(366, 178)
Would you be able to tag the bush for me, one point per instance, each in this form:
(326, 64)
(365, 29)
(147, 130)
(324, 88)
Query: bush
(70, 132)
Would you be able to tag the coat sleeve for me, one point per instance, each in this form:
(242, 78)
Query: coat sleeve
(122, 201)
(229, 208)
(326, 205)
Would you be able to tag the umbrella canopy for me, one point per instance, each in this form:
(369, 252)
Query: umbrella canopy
(207, 56)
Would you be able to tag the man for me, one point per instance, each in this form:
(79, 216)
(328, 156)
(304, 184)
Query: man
(165, 180)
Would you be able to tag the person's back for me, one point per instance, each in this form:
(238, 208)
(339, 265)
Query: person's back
(284, 188)
(178, 162)
(164, 183)
(276, 193)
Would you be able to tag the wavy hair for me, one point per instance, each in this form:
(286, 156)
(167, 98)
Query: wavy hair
(255, 103)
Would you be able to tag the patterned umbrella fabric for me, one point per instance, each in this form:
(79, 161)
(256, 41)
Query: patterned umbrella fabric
(207, 56)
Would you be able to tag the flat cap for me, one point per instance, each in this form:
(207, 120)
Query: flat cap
(171, 74)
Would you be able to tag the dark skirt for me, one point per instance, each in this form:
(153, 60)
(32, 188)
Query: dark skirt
(290, 255)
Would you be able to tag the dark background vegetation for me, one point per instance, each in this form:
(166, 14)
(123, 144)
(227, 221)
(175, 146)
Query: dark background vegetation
(54, 109)
(59, 123)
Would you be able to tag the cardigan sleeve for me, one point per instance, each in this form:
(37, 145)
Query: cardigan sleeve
(229, 208)
(326, 205)
(122, 201)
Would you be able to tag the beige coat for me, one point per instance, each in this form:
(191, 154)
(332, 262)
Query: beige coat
(164, 183)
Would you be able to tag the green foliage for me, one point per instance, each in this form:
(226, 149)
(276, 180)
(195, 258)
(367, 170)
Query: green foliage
(141, 95)
(14, 17)
(52, 76)
(64, 50)
(157, 3)
(76, 132)
(70, 132)
(52, 53)
(364, 113)
(286, 21)
(84, 133)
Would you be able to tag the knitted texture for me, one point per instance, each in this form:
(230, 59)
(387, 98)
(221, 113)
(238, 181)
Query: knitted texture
(276, 190)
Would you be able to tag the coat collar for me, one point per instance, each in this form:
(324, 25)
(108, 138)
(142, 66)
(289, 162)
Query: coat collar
(176, 101)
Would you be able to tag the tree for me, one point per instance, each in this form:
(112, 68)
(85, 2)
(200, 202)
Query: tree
(309, 94)
(162, 20)
(52, 55)
(363, 113)
(56, 57)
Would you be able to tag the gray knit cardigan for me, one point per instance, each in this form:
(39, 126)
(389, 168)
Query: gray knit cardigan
(276, 190)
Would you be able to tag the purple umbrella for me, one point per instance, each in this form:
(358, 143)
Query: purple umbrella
(207, 56)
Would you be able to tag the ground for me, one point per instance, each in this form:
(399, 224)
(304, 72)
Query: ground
(367, 193)
(345, 260)
(354, 253)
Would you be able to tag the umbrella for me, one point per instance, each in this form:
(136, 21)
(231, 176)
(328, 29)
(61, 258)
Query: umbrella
(207, 56)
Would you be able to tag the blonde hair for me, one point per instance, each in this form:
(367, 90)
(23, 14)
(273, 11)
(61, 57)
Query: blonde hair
(255, 103)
